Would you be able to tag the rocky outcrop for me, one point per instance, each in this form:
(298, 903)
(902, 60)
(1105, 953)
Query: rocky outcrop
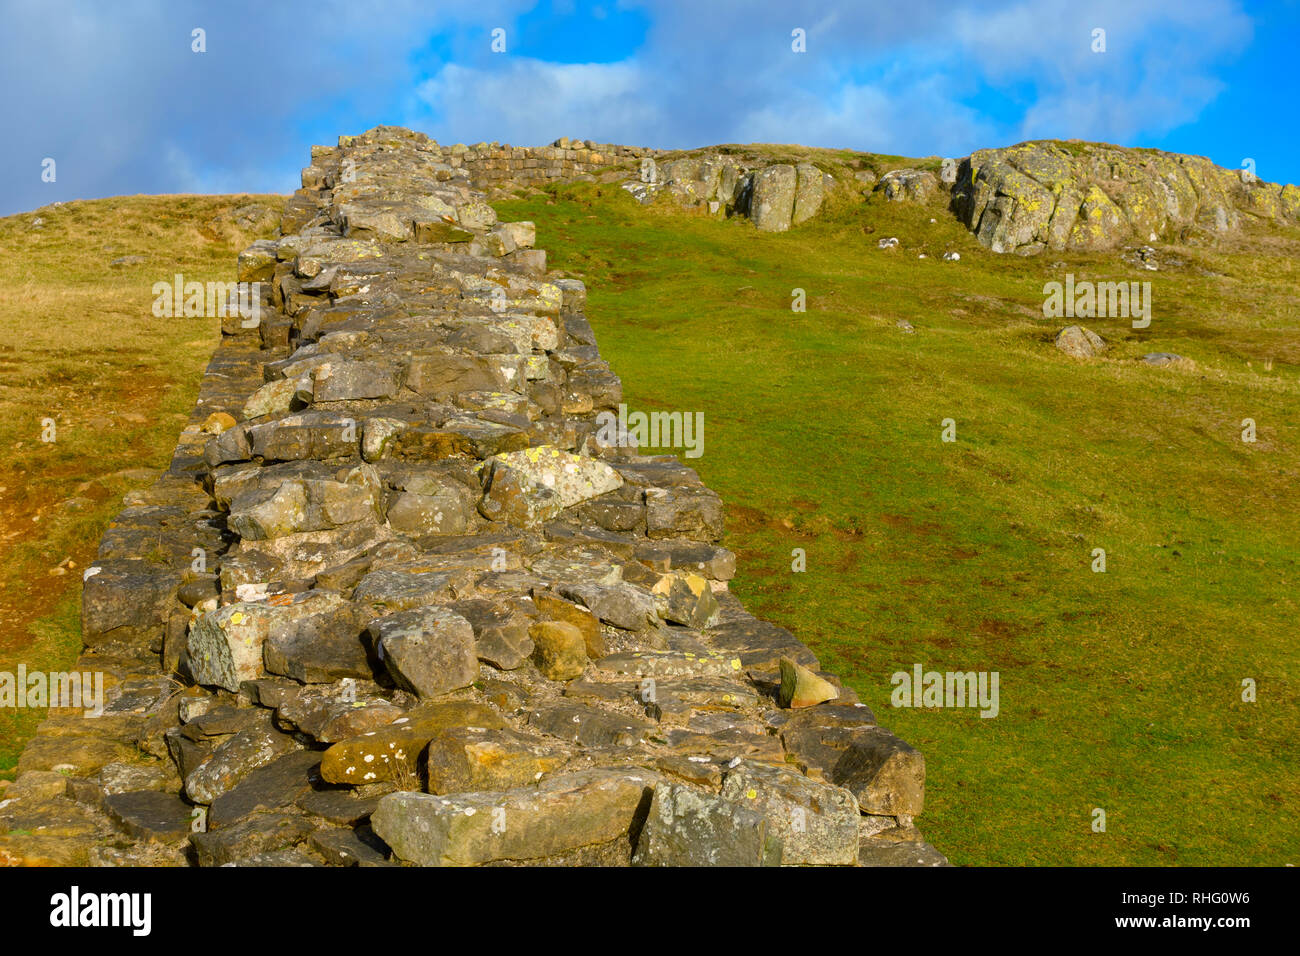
(771, 203)
(1024, 198)
(909, 185)
(399, 600)
(1081, 196)
(775, 196)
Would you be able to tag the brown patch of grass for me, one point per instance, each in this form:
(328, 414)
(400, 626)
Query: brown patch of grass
(80, 346)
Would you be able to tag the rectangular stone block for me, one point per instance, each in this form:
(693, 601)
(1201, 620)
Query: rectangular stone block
(444, 376)
(559, 815)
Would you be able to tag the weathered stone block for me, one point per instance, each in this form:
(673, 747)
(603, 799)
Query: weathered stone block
(428, 651)
(772, 204)
(559, 649)
(817, 823)
(561, 814)
(393, 751)
(886, 774)
(690, 827)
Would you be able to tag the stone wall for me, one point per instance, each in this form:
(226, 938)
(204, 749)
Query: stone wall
(494, 165)
(400, 598)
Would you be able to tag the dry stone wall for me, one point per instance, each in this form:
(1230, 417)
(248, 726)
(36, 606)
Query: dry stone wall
(399, 600)
(493, 166)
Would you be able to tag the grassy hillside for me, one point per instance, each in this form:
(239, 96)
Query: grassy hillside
(1119, 690)
(79, 344)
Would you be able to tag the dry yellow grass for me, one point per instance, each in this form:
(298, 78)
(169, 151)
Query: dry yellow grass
(79, 345)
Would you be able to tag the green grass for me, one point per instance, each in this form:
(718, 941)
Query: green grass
(1118, 690)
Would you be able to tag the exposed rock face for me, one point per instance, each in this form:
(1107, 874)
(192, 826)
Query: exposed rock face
(775, 196)
(912, 185)
(1024, 198)
(772, 205)
(1046, 195)
(809, 193)
(438, 620)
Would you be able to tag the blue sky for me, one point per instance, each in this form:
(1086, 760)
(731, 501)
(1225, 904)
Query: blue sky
(114, 94)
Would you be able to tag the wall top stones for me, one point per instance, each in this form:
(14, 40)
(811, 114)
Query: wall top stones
(493, 164)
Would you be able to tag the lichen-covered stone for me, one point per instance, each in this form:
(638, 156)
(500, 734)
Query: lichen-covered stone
(394, 750)
(225, 645)
(559, 649)
(1085, 196)
(573, 477)
(772, 204)
(233, 760)
(464, 759)
(561, 814)
(817, 823)
(1078, 342)
(691, 827)
(429, 651)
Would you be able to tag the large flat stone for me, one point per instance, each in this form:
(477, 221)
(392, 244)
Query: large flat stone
(561, 814)
(150, 815)
(233, 760)
(276, 785)
(465, 759)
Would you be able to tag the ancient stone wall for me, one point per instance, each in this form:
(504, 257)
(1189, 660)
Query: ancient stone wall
(403, 597)
(494, 165)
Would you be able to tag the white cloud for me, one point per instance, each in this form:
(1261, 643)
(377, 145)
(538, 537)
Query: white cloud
(530, 102)
(115, 95)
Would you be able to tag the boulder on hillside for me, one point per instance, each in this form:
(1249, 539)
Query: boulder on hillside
(908, 185)
(1078, 342)
(1160, 359)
